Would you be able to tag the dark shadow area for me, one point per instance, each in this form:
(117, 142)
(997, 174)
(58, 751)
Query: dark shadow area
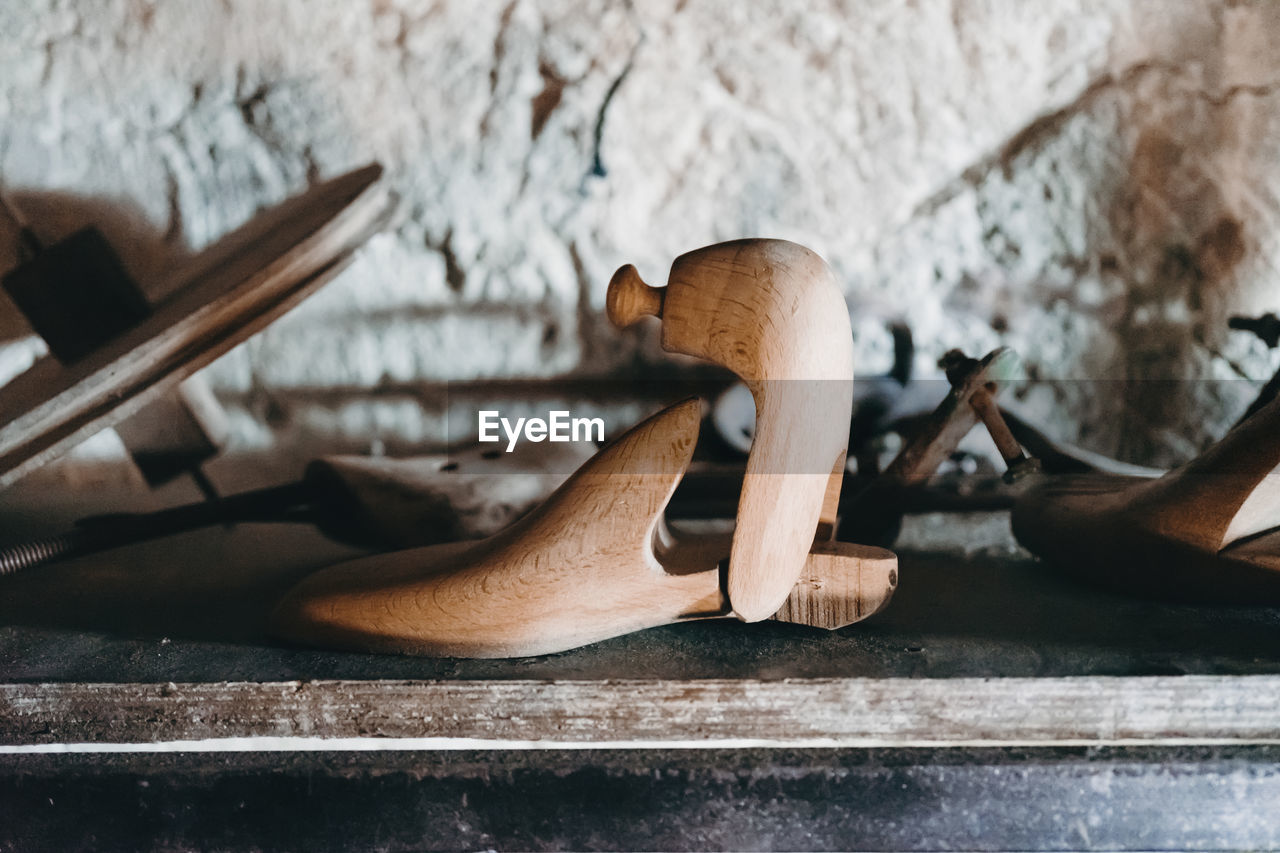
(750, 799)
(147, 253)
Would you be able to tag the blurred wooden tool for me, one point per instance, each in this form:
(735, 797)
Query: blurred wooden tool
(1206, 532)
(226, 294)
(76, 295)
(875, 513)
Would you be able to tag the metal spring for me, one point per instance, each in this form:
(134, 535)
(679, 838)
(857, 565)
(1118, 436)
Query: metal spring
(26, 555)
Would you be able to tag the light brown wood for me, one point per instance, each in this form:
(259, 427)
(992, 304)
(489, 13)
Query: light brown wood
(771, 312)
(226, 294)
(841, 583)
(582, 567)
(596, 560)
(1207, 531)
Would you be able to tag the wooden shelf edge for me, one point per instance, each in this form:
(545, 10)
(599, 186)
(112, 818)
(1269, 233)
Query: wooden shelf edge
(639, 714)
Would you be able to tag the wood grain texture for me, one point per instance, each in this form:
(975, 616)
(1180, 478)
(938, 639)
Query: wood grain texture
(226, 294)
(853, 712)
(841, 584)
(586, 565)
(595, 560)
(770, 311)
(1205, 532)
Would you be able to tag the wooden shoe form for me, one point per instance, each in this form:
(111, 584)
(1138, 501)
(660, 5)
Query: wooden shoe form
(771, 312)
(1206, 532)
(596, 560)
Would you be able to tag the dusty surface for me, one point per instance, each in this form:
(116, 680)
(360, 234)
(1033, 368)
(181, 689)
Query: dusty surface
(969, 603)
(1096, 184)
(1063, 799)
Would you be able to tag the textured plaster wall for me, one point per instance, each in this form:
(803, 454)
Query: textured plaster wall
(1094, 183)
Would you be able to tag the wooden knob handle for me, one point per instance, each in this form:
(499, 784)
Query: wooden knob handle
(629, 298)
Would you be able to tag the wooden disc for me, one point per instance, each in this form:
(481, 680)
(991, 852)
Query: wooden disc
(229, 292)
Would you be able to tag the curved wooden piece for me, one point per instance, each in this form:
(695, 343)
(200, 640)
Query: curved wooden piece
(230, 291)
(771, 312)
(589, 564)
(1206, 531)
(596, 560)
(841, 583)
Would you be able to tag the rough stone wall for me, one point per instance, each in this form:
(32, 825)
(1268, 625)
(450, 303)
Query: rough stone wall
(1094, 183)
